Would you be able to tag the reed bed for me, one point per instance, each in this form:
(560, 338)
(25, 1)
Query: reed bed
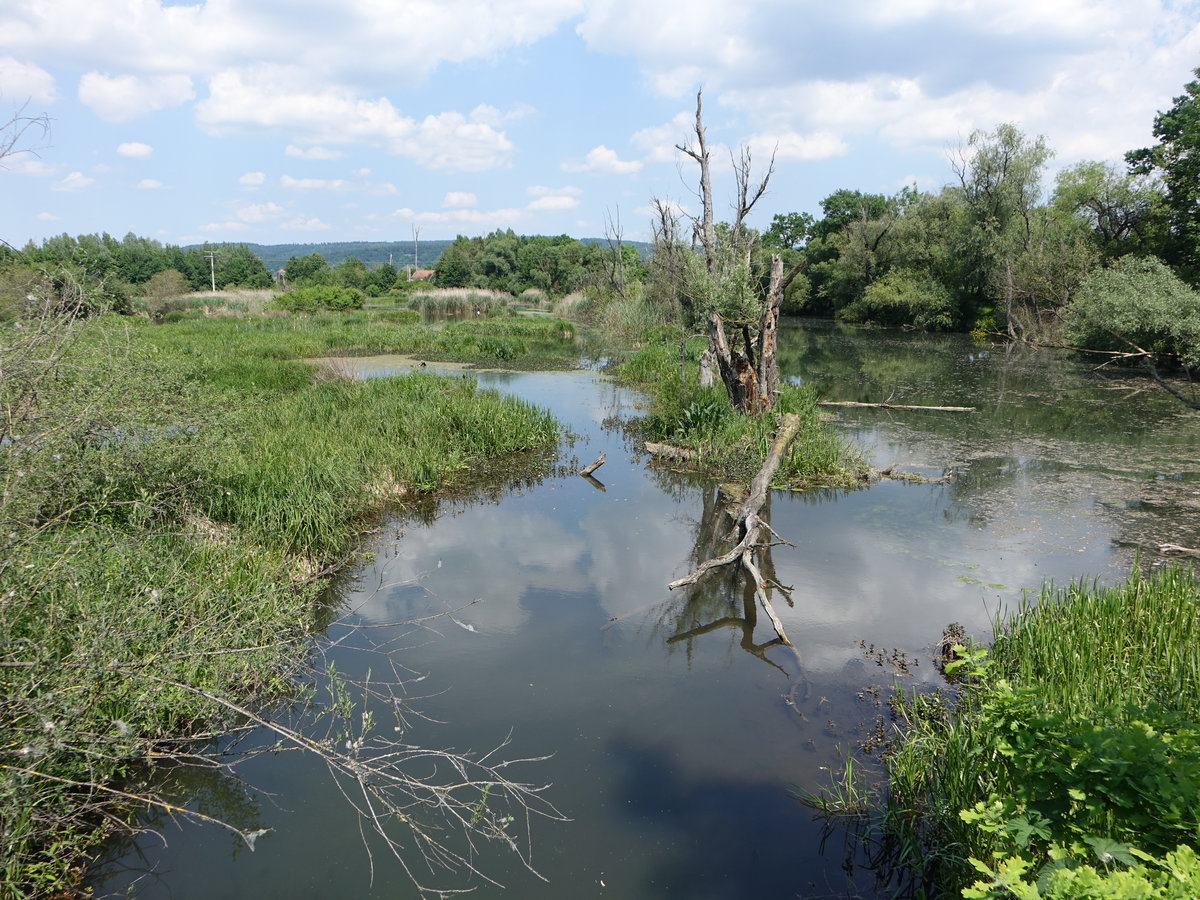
(469, 301)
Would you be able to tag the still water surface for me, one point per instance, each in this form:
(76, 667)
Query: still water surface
(678, 731)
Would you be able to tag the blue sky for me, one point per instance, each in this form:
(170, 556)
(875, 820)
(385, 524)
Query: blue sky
(305, 120)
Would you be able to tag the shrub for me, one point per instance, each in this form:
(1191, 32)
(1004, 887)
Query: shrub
(1137, 302)
(317, 297)
(903, 297)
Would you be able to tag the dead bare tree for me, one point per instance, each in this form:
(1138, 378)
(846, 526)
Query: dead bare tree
(615, 260)
(749, 372)
(18, 129)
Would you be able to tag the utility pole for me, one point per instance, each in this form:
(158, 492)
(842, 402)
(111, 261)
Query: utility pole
(212, 267)
(416, 255)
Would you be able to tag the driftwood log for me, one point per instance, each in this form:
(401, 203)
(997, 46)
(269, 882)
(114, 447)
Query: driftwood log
(589, 469)
(886, 405)
(666, 451)
(750, 530)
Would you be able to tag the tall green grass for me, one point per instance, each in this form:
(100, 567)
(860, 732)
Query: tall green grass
(345, 446)
(218, 347)
(1079, 731)
(168, 492)
(726, 443)
(460, 301)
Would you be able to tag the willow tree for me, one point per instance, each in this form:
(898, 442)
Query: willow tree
(725, 292)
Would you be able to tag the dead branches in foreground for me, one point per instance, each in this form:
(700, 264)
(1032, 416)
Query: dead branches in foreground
(750, 529)
(433, 809)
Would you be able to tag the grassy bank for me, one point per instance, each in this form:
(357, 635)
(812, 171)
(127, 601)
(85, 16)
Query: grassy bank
(1067, 762)
(168, 491)
(719, 440)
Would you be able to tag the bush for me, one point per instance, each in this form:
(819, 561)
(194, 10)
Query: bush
(317, 297)
(903, 297)
(1141, 303)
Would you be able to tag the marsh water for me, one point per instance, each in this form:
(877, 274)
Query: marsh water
(677, 733)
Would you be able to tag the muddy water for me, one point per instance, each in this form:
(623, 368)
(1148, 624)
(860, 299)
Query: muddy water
(678, 731)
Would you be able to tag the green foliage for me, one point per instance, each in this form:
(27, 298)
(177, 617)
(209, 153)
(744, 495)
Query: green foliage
(1125, 211)
(1137, 304)
(729, 445)
(1174, 876)
(1080, 730)
(789, 231)
(318, 297)
(167, 493)
(113, 271)
(903, 297)
(505, 261)
(308, 271)
(1176, 159)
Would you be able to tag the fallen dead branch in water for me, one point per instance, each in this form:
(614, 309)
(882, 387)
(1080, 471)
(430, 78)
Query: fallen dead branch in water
(750, 528)
(667, 451)
(886, 405)
(589, 469)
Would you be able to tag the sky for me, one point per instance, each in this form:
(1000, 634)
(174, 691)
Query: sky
(305, 121)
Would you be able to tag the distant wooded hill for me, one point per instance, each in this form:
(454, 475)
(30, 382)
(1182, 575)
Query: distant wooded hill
(376, 253)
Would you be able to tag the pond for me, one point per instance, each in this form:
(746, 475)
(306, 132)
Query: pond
(677, 732)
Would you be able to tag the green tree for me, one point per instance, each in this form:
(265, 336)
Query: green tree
(308, 270)
(1176, 159)
(1125, 211)
(351, 272)
(1000, 180)
(1139, 310)
(789, 231)
(239, 266)
(456, 266)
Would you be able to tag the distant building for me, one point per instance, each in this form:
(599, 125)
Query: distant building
(421, 275)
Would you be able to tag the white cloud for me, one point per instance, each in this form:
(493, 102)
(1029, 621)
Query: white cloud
(259, 212)
(313, 184)
(353, 40)
(253, 179)
(25, 81)
(542, 204)
(274, 98)
(26, 165)
(551, 199)
(1086, 73)
(135, 150)
(313, 153)
(124, 97)
(495, 218)
(76, 181)
(150, 184)
(602, 161)
(47, 217)
(224, 226)
(789, 145)
(305, 224)
(659, 141)
(459, 200)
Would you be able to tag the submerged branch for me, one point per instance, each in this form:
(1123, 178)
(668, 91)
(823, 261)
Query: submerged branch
(750, 526)
(886, 405)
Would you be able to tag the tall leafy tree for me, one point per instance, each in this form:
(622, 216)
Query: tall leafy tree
(1124, 210)
(1000, 179)
(1176, 159)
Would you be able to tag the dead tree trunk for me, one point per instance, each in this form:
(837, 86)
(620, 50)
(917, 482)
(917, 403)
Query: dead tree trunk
(750, 374)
